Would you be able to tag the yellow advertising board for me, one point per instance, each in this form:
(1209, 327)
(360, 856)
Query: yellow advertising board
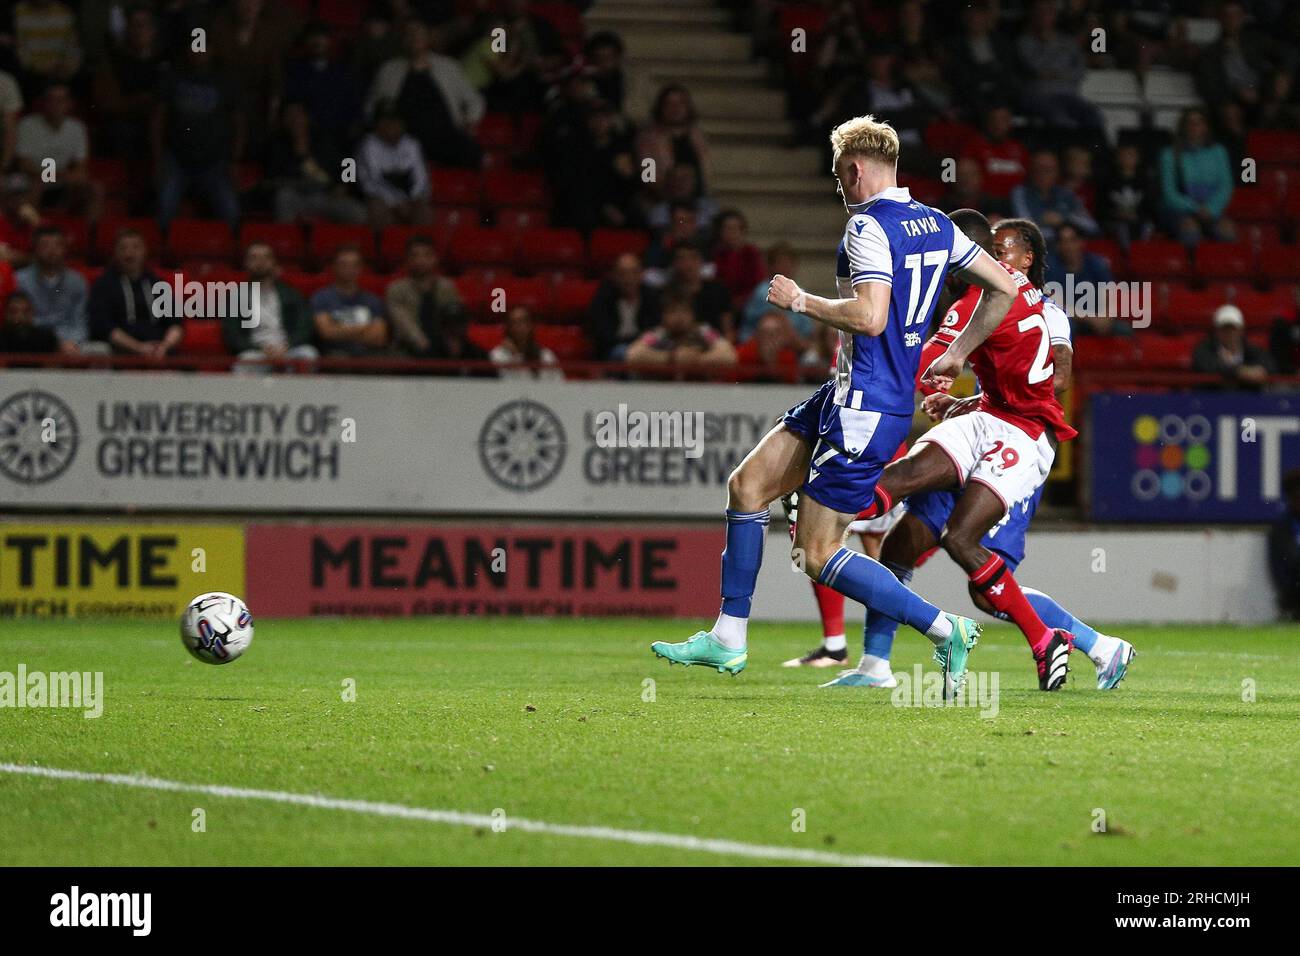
(115, 568)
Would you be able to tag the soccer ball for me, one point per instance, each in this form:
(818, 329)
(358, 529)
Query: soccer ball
(217, 627)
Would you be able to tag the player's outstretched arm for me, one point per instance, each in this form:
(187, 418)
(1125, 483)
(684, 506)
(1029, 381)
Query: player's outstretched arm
(864, 314)
(1000, 291)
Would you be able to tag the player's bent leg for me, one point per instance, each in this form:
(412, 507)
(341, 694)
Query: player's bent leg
(1111, 656)
(825, 559)
(774, 467)
(925, 468)
(977, 510)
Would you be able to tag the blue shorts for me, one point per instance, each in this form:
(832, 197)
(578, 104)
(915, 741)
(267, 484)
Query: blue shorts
(851, 447)
(1006, 538)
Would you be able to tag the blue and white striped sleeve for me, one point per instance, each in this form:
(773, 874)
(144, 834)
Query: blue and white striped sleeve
(963, 251)
(867, 247)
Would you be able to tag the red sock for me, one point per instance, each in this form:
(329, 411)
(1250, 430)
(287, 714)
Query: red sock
(831, 605)
(881, 504)
(994, 580)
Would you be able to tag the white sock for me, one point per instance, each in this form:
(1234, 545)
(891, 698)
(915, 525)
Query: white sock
(1104, 649)
(874, 666)
(940, 630)
(835, 643)
(731, 631)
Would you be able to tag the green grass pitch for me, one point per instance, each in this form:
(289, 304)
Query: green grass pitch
(548, 720)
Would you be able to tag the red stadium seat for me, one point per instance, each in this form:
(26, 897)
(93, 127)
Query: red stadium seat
(566, 341)
(1273, 146)
(1259, 234)
(111, 174)
(1260, 308)
(1253, 202)
(1110, 250)
(566, 19)
(496, 131)
(1280, 263)
(486, 335)
(326, 237)
(284, 238)
(608, 244)
(1158, 259)
(943, 138)
(572, 298)
(393, 240)
(1106, 353)
(521, 218)
(533, 294)
(200, 239)
(307, 283)
(515, 187)
(477, 246)
(456, 187)
(344, 14)
(106, 231)
(552, 248)
(202, 337)
(1225, 260)
(1169, 352)
(1191, 309)
(477, 291)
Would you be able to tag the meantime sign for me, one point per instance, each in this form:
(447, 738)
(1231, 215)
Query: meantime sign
(375, 445)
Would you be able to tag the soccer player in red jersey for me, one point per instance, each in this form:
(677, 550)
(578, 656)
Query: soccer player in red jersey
(998, 453)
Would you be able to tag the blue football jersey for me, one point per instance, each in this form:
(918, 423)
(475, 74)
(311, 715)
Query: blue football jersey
(909, 246)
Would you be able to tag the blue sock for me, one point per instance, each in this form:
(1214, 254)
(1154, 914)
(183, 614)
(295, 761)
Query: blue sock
(746, 531)
(878, 635)
(1054, 615)
(869, 582)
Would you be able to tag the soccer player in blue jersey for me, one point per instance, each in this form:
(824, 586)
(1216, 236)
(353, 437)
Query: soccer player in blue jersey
(834, 446)
(1019, 244)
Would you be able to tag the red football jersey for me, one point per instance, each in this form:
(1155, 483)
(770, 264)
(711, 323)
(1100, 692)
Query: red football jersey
(1014, 364)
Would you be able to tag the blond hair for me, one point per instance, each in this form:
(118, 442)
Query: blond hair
(866, 136)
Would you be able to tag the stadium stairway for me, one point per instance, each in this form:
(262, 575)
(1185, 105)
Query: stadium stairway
(781, 190)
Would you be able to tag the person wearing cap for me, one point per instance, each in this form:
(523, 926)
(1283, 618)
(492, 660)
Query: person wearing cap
(1227, 352)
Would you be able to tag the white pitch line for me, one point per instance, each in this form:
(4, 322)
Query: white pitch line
(458, 818)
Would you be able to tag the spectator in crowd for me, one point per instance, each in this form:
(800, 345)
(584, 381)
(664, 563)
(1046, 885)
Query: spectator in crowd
(737, 262)
(603, 53)
(251, 39)
(967, 191)
(11, 106)
(782, 260)
(980, 61)
(683, 226)
(819, 357)
(1196, 183)
(422, 301)
(19, 334)
(349, 320)
(1002, 158)
(379, 41)
(101, 26)
(623, 307)
(392, 172)
(674, 137)
(1226, 352)
(18, 217)
(1077, 176)
(453, 344)
(680, 340)
(327, 89)
(53, 152)
(771, 353)
(514, 80)
(122, 310)
(303, 172)
(127, 81)
(595, 182)
(710, 300)
(198, 134)
(883, 93)
(1126, 200)
(920, 58)
(682, 189)
(1073, 266)
(1043, 199)
(1284, 549)
(1284, 340)
(57, 294)
(1278, 109)
(1052, 69)
(45, 43)
(520, 345)
(282, 323)
(438, 103)
(1237, 65)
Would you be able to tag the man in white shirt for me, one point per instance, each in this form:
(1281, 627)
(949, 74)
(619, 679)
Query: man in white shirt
(52, 150)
